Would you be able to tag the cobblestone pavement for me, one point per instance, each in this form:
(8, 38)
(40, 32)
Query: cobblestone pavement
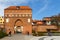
(46, 38)
(18, 37)
(30, 37)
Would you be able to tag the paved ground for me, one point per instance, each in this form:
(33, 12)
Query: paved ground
(30, 37)
(18, 37)
(46, 38)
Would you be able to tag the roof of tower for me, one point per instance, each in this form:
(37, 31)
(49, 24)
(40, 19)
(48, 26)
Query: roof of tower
(18, 7)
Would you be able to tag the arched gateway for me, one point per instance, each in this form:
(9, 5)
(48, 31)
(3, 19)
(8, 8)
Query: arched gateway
(18, 19)
(18, 26)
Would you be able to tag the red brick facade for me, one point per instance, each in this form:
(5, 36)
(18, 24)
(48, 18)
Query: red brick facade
(17, 19)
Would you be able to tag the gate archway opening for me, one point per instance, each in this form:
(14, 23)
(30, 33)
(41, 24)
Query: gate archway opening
(18, 26)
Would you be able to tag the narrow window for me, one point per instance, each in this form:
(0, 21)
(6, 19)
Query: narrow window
(29, 20)
(26, 14)
(23, 15)
(20, 15)
(12, 15)
(9, 15)
(7, 20)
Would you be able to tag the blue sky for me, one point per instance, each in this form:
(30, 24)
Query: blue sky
(40, 8)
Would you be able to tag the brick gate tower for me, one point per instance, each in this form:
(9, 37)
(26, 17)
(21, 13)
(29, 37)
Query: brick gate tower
(18, 19)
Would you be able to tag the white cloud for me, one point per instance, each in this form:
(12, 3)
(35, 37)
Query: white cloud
(43, 8)
(6, 3)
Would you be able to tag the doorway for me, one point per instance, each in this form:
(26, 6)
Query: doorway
(18, 29)
(18, 26)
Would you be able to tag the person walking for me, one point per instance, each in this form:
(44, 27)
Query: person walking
(9, 33)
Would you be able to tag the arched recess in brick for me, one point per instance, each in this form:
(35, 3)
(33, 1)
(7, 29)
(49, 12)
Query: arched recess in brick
(18, 25)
